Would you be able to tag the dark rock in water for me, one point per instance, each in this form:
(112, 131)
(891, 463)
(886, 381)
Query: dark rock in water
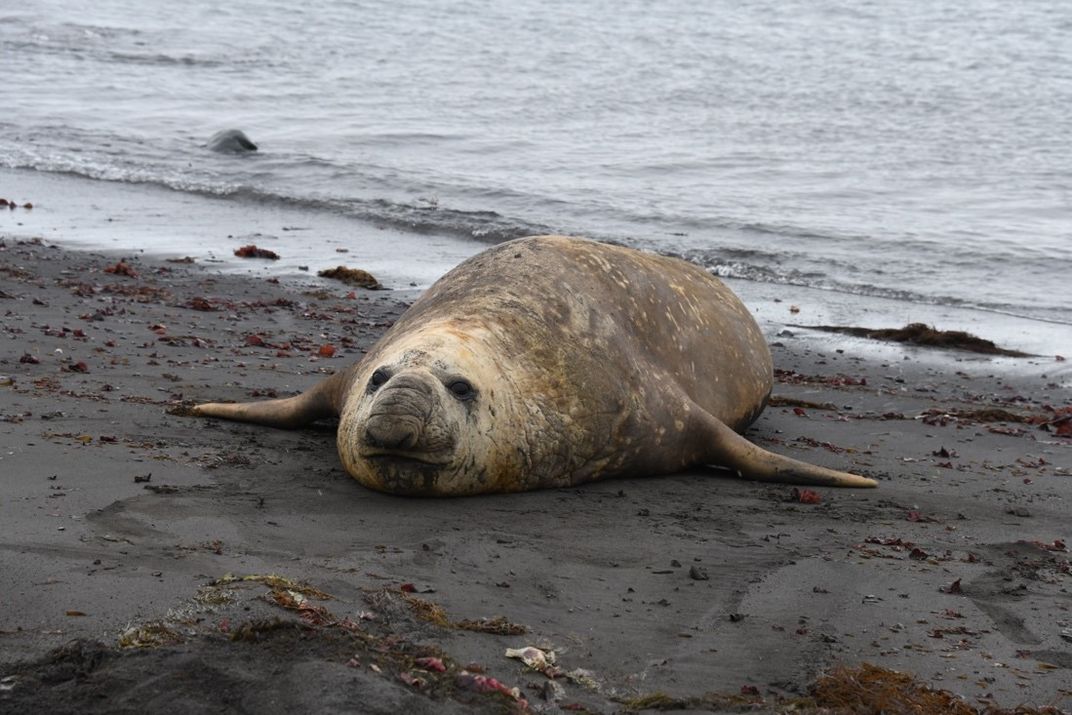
(231, 141)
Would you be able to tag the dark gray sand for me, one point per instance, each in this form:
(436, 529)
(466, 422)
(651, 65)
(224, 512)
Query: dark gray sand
(121, 520)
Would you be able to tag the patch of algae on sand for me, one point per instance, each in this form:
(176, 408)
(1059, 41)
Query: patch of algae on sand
(166, 631)
(497, 626)
(427, 611)
(430, 612)
(149, 635)
(274, 582)
(870, 688)
(864, 688)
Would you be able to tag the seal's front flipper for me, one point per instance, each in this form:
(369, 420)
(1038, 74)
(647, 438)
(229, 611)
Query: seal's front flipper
(726, 448)
(322, 400)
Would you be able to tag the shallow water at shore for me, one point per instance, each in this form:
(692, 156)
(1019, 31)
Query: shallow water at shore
(77, 212)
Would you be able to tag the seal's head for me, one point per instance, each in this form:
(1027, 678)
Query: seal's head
(431, 414)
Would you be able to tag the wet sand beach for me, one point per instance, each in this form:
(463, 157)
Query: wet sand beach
(180, 564)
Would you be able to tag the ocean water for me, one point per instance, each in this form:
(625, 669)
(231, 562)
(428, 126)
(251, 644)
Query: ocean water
(914, 151)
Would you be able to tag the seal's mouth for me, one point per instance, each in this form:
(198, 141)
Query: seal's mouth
(404, 458)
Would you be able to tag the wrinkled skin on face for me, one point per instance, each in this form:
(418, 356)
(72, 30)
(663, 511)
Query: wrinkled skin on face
(429, 414)
(575, 369)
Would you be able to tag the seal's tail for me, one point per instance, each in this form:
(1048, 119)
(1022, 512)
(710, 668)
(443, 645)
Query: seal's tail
(319, 402)
(729, 449)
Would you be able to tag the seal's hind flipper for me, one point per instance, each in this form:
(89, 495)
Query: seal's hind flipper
(726, 448)
(320, 401)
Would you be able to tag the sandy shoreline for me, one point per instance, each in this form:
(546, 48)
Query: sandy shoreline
(141, 219)
(93, 545)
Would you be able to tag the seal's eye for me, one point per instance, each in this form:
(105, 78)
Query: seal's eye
(378, 378)
(461, 389)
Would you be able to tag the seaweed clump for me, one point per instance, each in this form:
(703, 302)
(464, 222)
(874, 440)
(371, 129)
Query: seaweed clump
(352, 276)
(865, 688)
(154, 634)
(925, 336)
(871, 689)
(254, 251)
(497, 626)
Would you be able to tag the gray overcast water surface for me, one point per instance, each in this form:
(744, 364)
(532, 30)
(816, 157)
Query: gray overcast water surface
(914, 151)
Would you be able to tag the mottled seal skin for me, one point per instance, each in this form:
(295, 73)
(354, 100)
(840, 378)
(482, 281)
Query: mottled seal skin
(548, 362)
(231, 141)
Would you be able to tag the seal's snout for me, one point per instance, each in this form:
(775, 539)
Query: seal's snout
(406, 423)
(392, 432)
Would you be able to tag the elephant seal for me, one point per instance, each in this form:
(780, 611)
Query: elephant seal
(548, 362)
(231, 141)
